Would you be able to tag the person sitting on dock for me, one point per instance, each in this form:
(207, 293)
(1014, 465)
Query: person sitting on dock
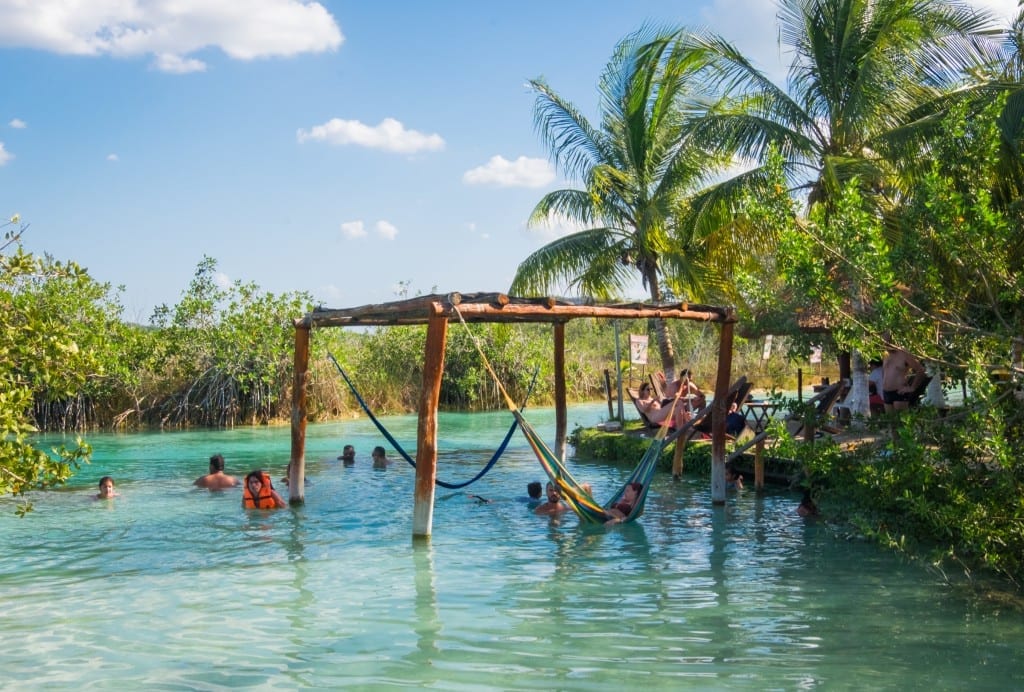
(691, 396)
(216, 479)
(735, 422)
(657, 412)
(554, 504)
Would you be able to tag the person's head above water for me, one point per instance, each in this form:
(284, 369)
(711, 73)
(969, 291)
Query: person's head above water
(216, 463)
(534, 489)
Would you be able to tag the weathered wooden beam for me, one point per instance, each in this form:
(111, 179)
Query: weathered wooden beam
(297, 468)
(561, 417)
(759, 465)
(560, 313)
(498, 307)
(426, 431)
(677, 457)
(718, 413)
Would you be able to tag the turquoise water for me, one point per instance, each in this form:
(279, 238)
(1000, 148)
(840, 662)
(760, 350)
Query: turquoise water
(173, 588)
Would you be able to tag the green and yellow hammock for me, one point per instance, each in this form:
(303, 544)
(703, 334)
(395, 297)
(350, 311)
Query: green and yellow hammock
(573, 493)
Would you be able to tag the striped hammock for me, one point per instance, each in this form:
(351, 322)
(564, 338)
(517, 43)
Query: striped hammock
(575, 495)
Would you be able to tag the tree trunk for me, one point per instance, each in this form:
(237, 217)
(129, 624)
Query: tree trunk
(858, 399)
(661, 333)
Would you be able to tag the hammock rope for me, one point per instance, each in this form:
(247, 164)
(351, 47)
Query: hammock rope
(574, 494)
(405, 455)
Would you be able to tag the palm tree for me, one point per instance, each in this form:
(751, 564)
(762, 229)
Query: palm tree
(635, 169)
(863, 73)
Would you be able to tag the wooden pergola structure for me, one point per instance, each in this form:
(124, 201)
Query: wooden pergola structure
(435, 311)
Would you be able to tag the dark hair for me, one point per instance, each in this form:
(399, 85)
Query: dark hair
(638, 487)
(104, 480)
(379, 451)
(534, 488)
(217, 462)
(261, 475)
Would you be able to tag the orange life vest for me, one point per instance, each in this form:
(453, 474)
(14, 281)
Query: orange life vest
(265, 499)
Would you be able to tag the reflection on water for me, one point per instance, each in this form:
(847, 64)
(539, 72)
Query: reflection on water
(167, 586)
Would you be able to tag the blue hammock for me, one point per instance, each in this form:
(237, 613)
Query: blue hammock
(405, 455)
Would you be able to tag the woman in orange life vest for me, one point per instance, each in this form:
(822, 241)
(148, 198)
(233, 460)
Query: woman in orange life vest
(259, 493)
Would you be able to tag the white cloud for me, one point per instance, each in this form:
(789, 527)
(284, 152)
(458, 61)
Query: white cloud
(242, 29)
(222, 280)
(353, 229)
(18, 124)
(328, 295)
(389, 135)
(523, 172)
(1004, 10)
(112, 157)
(386, 230)
(175, 64)
(555, 226)
(5, 155)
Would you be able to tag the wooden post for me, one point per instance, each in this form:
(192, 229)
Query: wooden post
(718, 413)
(677, 457)
(426, 432)
(297, 472)
(608, 388)
(759, 465)
(561, 419)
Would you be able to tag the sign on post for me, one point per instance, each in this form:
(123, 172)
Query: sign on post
(638, 349)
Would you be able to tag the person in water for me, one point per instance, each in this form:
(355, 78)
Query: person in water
(733, 478)
(348, 455)
(106, 492)
(807, 508)
(621, 510)
(554, 504)
(259, 492)
(216, 479)
(380, 458)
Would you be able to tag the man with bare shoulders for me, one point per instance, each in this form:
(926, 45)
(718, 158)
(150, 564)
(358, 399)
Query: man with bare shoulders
(216, 479)
(901, 372)
(554, 504)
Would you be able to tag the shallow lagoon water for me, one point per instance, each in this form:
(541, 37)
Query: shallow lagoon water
(174, 588)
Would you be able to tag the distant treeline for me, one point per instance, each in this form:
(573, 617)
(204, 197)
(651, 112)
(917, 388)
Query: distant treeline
(223, 356)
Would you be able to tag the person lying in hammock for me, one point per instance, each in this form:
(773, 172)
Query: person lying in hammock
(624, 507)
(658, 412)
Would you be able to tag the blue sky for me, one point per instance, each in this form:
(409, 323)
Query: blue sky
(339, 148)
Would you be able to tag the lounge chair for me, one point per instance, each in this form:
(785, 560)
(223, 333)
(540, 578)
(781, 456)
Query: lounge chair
(634, 396)
(701, 420)
(822, 402)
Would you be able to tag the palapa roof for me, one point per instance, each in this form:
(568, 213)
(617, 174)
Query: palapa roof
(498, 307)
